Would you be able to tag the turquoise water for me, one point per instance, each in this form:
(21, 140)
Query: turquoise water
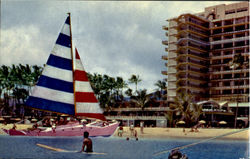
(119, 148)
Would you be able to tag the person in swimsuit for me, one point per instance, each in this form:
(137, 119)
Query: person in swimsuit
(87, 142)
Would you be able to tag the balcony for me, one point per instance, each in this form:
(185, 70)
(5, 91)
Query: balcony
(229, 79)
(165, 42)
(191, 48)
(193, 79)
(192, 32)
(221, 57)
(165, 28)
(164, 72)
(135, 117)
(192, 64)
(164, 57)
(192, 56)
(230, 48)
(191, 71)
(232, 32)
(197, 89)
(228, 26)
(139, 109)
(193, 24)
(230, 40)
(229, 87)
(229, 71)
(191, 39)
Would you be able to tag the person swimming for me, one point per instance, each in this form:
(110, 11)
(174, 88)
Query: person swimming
(176, 154)
(87, 142)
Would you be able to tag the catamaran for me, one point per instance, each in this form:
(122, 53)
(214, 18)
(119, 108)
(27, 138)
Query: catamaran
(64, 88)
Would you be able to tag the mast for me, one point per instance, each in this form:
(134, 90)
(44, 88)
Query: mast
(72, 60)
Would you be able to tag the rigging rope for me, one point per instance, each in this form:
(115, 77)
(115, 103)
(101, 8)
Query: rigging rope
(186, 146)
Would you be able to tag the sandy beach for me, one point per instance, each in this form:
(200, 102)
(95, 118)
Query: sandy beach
(203, 133)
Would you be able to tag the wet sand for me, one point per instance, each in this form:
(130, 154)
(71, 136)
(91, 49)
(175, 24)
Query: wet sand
(203, 133)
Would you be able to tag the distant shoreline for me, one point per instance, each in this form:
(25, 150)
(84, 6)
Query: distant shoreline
(166, 133)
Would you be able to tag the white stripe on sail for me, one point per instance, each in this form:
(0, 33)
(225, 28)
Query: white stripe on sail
(78, 65)
(88, 108)
(58, 73)
(61, 51)
(54, 95)
(66, 30)
(81, 86)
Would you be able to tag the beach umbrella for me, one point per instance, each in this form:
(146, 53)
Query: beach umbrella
(16, 119)
(6, 116)
(33, 119)
(202, 121)
(222, 122)
(64, 115)
(181, 122)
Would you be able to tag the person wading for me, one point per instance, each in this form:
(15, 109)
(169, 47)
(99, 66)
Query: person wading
(87, 142)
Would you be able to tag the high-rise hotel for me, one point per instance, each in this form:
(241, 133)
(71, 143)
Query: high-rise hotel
(199, 48)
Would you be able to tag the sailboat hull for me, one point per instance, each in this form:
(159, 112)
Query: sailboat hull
(74, 129)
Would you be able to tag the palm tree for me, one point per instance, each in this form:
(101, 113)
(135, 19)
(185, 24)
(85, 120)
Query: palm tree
(6, 85)
(120, 84)
(170, 113)
(135, 79)
(128, 92)
(237, 63)
(189, 111)
(162, 86)
(96, 82)
(141, 99)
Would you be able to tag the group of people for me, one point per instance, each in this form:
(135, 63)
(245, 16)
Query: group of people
(133, 131)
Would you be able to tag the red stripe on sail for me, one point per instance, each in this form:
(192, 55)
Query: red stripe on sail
(81, 76)
(92, 115)
(85, 97)
(77, 55)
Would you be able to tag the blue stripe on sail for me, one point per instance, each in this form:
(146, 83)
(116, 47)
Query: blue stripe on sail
(56, 84)
(67, 20)
(60, 62)
(49, 105)
(63, 40)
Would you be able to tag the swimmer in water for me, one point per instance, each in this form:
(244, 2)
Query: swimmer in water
(87, 142)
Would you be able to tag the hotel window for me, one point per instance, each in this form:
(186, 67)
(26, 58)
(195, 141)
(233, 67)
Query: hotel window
(242, 9)
(230, 11)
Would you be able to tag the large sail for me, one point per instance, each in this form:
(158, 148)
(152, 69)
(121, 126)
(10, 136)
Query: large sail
(54, 90)
(86, 102)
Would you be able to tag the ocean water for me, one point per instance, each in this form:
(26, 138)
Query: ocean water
(120, 148)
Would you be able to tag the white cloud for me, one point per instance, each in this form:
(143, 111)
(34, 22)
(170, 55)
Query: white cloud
(114, 38)
(22, 45)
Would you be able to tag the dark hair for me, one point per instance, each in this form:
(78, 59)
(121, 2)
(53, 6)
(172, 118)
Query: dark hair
(86, 134)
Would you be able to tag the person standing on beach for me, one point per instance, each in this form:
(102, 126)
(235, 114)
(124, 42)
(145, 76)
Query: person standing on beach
(141, 126)
(87, 142)
(132, 129)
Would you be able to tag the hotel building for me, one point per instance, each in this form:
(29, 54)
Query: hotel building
(199, 49)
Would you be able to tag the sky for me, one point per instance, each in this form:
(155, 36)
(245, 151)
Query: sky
(117, 38)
